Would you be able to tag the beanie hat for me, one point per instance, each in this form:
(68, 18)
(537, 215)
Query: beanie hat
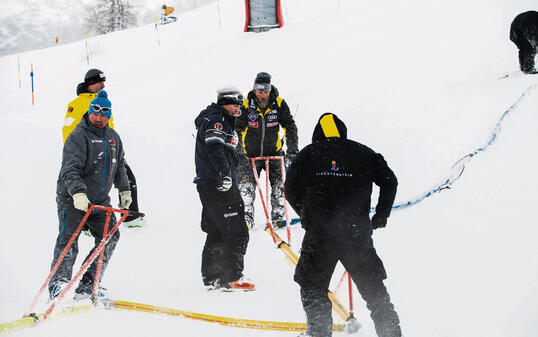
(329, 126)
(229, 95)
(101, 105)
(93, 76)
(262, 82)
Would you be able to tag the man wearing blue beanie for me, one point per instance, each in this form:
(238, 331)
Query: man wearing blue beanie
(92, 162)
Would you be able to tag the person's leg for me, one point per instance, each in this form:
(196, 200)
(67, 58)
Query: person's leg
(277, 192)
(313, 273)
(527, 53)
(367, 271)
(97, 225)
(247, 187)
(213, 250)
(69, 219)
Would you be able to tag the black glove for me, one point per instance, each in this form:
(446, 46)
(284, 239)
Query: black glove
(289, 157)
(224, 182)
(378, 221)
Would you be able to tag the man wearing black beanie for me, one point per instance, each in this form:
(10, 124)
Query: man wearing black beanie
(263, 113)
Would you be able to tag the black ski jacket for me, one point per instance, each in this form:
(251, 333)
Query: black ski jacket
(215, 145)
(259, 128)
(524, 30)
(329, 184)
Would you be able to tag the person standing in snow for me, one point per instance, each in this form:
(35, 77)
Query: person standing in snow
(92, 161)
(262, 114)
(94, 81)
(222, 207)
(524, 33)
(329, 185)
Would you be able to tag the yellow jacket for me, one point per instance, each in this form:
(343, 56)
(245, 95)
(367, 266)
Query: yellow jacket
(75, 110)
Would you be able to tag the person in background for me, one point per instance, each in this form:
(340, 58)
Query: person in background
(262, 114)
(329, 184)
(94, 81)
(222, 207)
(92, 162)
(524, 33)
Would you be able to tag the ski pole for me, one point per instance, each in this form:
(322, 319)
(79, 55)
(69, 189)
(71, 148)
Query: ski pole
(60, 259)
(87, 53)
(100, 261)
(157, 31)
(252, 160)
(32, 76)
(19, 67)
(90, 259)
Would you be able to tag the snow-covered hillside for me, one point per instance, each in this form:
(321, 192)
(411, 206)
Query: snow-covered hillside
(416, 81)
(32, 24)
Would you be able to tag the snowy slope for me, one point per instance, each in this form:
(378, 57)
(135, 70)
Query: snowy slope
(416, 82)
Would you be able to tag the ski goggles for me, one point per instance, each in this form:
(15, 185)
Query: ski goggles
(98, 108)
(262, 87)
(236, 99)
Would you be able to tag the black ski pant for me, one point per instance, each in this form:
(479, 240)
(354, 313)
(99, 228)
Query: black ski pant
(526, 41)
(247, 186)
(69, 219)
(318, 259)
(223, 220)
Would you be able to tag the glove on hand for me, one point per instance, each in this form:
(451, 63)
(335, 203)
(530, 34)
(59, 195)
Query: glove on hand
(289, 157)
(224, 182)
(125, 199)
(378, 221)
(81, 202)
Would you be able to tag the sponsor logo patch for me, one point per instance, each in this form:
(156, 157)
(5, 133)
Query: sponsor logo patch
(252, 116)
(272, 117)
(334, 167)
(218, 126)
(70, 109)
(112, 142)
(271, 124)
(253, 124)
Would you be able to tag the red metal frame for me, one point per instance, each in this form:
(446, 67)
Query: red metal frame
(247, 15)
(98, 250)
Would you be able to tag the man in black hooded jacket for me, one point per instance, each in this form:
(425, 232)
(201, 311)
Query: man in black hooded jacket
(524, 33)
(222, 207)
(329, 184)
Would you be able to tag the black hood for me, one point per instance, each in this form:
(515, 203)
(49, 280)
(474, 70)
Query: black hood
(329, 126)
(83, 88)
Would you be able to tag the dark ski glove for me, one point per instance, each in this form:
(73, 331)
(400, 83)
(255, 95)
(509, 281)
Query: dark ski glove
(289, 157)
(224, 182)
(378, 221)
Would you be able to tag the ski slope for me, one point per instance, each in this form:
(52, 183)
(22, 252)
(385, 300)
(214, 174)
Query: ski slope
(417, 82)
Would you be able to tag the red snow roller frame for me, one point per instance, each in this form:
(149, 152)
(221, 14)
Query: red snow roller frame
(265, 203)
(98, 250)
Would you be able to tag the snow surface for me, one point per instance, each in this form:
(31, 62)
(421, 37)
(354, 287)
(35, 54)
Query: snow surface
(416, 81)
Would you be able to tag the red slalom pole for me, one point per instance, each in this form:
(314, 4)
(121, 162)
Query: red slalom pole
(90, 259)
(285, 201)
(100, 262)
(349, 286)
(57, 264)
(261, 197)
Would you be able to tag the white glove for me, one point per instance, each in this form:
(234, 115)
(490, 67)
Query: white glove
(125, 199)
(81, 202)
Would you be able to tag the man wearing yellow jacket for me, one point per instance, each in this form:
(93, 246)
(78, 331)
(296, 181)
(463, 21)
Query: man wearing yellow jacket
(94, 81)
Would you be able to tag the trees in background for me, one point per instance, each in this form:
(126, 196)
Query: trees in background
(110, 16)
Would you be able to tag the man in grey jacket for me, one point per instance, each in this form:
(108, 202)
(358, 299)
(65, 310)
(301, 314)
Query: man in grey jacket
(92, 161)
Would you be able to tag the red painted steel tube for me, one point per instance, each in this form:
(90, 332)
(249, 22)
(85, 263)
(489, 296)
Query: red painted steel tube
(261, 197)
(100, 262)
(60, 259)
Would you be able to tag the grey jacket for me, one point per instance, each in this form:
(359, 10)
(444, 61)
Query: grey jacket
(92, 161)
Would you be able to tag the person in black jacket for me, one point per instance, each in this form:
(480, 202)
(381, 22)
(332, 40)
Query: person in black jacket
(524, 33)
(262, 114)
(222, 207)
(329, 184)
